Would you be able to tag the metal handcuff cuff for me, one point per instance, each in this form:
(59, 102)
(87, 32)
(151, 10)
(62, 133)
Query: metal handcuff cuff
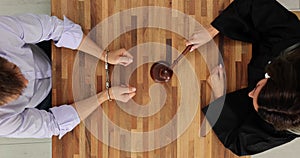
(107, 81)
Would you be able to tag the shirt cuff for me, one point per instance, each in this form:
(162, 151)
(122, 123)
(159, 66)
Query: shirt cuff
(71, 36)
(66, 117)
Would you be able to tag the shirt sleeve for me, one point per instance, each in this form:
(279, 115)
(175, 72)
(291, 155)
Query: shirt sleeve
(257, 20)
(67, 118)
(34, 123)
(33, 28)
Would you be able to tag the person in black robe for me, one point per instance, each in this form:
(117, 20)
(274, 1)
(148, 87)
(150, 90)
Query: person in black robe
(273, 31)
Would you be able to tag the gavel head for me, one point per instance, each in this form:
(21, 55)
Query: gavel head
(161, 71)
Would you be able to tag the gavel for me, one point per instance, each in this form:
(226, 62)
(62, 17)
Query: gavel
(162, 71)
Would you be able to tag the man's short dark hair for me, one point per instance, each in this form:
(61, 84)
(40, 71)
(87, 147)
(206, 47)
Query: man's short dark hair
(10, 82)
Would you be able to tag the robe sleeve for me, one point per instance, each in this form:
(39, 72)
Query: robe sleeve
(266, 24)
(257, 21)
(240, 129)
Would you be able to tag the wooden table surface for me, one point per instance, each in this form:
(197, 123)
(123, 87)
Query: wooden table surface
(77, 76)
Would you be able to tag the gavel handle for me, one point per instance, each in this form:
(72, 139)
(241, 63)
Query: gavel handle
(186, 50)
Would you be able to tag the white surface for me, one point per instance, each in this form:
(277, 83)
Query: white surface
(9, 141)
(10, 7)
(291, 4)
(289, 150)
(25, 148)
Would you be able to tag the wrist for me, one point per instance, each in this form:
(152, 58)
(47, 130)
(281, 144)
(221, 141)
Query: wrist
(108, 94)
(103, 54)
(212, 31)
(102, 96)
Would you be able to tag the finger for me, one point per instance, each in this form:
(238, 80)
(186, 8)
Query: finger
(127, 97)
(222, 74)
(131, 89)
(127, 90)
(131, 95)
(125, 64)
(195, 47)
(127, 54)
(192, 41)
(125, 61)
(220, 67)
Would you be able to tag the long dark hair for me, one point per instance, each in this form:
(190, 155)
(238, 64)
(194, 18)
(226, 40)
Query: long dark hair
(279, 100)
(10, 82)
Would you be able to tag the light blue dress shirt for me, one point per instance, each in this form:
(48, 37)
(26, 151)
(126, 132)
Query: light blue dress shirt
(18, 34)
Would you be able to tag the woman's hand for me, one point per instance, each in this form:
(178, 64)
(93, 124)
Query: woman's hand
(122, 93)
(201, 37)
(120, 56)
(216, 81)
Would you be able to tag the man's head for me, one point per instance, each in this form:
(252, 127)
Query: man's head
(278, 99)
(12, 82)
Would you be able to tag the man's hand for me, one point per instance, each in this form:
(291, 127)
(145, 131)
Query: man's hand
(121, 57)
(122, 93)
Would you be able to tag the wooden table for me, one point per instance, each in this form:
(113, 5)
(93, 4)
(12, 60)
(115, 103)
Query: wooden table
(71, 67)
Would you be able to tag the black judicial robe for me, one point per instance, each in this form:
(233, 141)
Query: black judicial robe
(271, 29)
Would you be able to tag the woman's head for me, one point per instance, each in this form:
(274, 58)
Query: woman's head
(278, 100)
(12, 82)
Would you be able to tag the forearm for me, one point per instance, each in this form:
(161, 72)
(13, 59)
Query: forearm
(88, 46)
(212, 31)
(85, 107)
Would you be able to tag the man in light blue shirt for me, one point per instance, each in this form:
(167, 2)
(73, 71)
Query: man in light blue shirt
(25, 76)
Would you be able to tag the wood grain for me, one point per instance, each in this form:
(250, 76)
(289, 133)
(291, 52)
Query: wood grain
(81, 143)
